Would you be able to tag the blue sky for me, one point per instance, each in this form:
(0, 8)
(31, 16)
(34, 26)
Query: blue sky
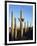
(27, 12)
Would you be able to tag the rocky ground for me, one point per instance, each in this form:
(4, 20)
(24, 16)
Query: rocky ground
(26, 35)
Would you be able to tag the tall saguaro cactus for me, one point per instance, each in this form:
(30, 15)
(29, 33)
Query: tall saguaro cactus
(12, 23)
(21, 19)
(15, 28)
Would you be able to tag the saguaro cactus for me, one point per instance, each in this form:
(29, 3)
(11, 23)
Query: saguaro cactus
(12, 23)
(15, 29)
(21, 19)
